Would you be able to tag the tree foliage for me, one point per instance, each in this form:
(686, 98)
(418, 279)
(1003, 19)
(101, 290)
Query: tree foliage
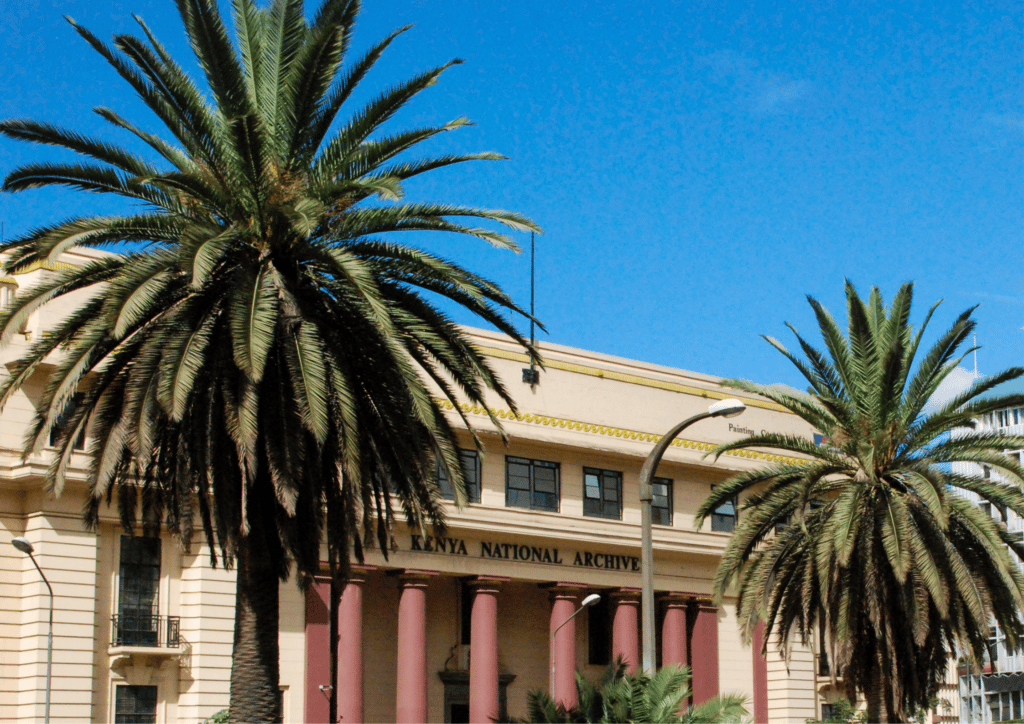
(264, 361)
(868, 538)
(635, 697)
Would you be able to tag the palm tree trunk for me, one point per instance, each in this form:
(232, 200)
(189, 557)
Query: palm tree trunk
(255, 667)
(877, 709)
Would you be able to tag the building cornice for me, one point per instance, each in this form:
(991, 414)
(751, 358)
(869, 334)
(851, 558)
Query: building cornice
(611, 431)
(556, 364)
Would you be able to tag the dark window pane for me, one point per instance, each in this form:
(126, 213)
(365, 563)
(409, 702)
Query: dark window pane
(723, 518)
(604, 502)
(138, 591)
(470, 460)
(661, 506)
(599, 632)
(135, 705)
(531, 484)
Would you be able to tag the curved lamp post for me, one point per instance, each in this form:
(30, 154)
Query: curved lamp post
(23, 545)
(586, 603)
(722, 408)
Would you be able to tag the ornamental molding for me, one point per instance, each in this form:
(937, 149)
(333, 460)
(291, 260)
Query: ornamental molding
(628, 378)
(58, 266)
(609, 431)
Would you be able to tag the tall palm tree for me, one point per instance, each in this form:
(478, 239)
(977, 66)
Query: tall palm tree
(868, 540)
(266, 360)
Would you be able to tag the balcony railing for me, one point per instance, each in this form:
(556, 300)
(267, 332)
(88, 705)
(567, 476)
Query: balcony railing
(133, 629)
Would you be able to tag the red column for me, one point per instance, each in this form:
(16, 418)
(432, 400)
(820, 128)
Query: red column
(411, 697)
(563, 644)
(760, 676)
(704, 652)
(625, 627)
(483, 655)
(350, 649)
(673, 631)
(318, 652)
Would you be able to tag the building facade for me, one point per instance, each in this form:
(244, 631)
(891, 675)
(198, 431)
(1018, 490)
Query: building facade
(451, 628)
(997, 692)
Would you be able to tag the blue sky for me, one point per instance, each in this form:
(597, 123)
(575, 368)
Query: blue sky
(698, 168)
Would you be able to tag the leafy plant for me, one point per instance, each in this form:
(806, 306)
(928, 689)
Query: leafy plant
(635, 697)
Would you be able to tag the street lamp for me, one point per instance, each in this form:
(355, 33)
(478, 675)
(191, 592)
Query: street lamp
(586, 603)
(23, 545)
(722, 408)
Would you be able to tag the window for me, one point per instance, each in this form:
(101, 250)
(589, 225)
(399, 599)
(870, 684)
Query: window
(723, 518)
(135, 705)
(602, 493)
(63, 419)
(137, 621)
(470, 472)
(599, 632)
(531, 484)
(661, 506)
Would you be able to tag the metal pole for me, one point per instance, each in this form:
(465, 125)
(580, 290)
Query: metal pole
(49, 638)
(646, 545)
(587, 602)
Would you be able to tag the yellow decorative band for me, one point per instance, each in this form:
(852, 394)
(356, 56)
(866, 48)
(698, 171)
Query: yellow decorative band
(9, 280)
(609, 431)
(60, 266)
(631, 379)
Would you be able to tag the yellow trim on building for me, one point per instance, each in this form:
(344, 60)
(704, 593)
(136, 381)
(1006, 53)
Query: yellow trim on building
(610, 431)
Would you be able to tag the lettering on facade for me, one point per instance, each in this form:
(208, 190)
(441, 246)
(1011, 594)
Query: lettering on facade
(515, 552)
(431, 544)
(608, 561)
(745, 430)
(524, 553)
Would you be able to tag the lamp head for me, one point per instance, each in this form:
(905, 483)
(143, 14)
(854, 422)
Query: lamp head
(591, 600)
(22, 544)
(726, 408)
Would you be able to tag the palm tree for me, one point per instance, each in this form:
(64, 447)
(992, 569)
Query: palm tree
(635, 697)
(867, 540)
(265, 360)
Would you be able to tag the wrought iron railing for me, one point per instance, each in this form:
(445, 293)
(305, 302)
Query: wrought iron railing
(135, 629)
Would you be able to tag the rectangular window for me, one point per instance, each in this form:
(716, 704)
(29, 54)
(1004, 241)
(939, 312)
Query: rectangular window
(723, 518)
(531, 484)
(135, 705)
(63, 419)
(602, 493)
(138, 589)
(470, 472)
(661, 506)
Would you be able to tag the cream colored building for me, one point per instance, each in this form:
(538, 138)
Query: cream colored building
(143, 629)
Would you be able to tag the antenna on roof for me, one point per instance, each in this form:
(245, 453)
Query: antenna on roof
(530, 374)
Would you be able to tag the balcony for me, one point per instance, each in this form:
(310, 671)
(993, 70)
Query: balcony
(138, 630)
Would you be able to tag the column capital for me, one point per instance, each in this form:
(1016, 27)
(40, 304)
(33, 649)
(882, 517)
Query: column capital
(412, 577)
(626, 595)
(487, 584)
(562, 590)
(673, 598)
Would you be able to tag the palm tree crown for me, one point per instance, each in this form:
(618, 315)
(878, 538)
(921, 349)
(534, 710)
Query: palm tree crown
(265, 353)
(867, 540)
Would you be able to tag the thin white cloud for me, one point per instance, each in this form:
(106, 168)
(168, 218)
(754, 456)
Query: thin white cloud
(762, 91)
